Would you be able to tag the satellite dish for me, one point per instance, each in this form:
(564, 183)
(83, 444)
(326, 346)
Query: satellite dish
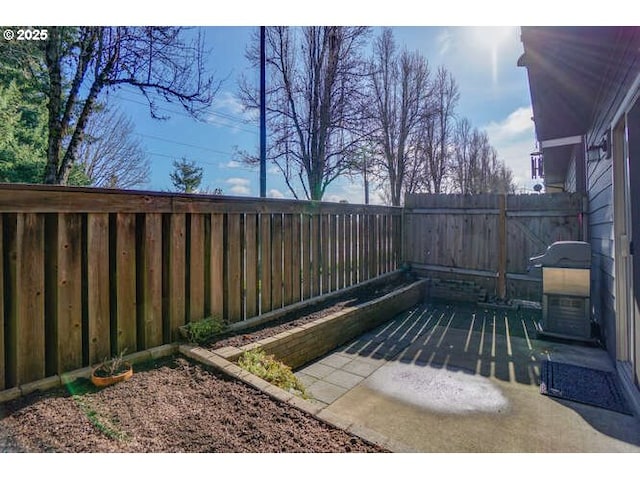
(537, 187)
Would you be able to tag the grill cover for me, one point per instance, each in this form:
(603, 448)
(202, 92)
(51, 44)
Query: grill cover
(565, 254)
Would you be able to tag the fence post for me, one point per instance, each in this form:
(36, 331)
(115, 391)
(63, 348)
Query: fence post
(502, 247)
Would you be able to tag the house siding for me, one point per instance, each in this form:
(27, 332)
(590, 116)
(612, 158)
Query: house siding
(600, 195)
(600, 192)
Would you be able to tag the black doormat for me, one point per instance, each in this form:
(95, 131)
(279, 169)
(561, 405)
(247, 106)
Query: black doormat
(585, 385)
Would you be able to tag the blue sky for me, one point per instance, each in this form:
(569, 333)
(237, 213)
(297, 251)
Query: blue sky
(494, 91)
(494, 96)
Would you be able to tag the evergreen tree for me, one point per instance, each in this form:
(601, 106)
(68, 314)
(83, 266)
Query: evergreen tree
(23, 121)
(24, 116)
(186, 176)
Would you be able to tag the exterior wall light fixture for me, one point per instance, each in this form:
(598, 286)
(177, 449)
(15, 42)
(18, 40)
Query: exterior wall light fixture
(594, 152)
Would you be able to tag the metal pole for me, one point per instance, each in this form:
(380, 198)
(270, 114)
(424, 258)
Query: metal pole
(263, 116)
(366, 181)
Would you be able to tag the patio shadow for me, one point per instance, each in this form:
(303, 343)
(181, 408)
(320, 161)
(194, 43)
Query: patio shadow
(494, 343)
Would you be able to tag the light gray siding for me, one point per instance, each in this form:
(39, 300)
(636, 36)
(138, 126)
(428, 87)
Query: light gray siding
(599, 181)
(600, 194)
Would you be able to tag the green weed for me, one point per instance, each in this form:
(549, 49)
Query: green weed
(202, 331)
(265, 366)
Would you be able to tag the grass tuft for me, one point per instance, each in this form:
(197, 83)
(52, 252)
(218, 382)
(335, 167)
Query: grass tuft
(265, 366)
(202, 331)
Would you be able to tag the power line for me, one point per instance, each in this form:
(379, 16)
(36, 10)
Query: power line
(185, 144)
(175, 142)
(199, 161)
(179, 112)
(228, 117)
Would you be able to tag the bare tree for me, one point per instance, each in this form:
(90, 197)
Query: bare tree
(82, 62)
(462, 169)
(400, 93)
(435, 143)
(503, 180)
(475, 167)
(313, 99)
(110, 155)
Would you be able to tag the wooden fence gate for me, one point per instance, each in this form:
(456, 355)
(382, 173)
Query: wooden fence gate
(488, 238)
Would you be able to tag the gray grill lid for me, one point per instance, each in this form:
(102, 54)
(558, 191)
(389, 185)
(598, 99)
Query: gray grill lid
(565, 254)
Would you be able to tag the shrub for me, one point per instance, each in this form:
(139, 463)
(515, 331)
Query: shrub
(201, 331)
(265, 366)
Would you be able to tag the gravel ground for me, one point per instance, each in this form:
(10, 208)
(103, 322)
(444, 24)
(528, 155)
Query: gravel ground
(172, 405)
(176, 405)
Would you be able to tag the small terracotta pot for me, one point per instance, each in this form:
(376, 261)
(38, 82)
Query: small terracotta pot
(99, 381)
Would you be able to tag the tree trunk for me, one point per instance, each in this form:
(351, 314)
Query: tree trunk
(52, 56)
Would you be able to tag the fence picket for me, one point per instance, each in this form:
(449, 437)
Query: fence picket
(325, 254)
(67, 335)
(98, 304)
(341, 254)
(265, 267)
(196, 267)
(305, 227)
(234, 245)
(25, 328)
(174, 280)
(287, 266)
(333, 252)
(124, 325)
(251, 270)
(316, 253)
(216, 265)
(150, 281)
(348, 256)
(276, 261)
(296, 251)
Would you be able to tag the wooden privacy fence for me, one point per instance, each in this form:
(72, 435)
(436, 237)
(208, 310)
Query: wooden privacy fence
(488, 238)
(86, 273)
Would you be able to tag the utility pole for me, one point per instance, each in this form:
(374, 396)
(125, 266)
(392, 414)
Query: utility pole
(263, 116)
(366, 181)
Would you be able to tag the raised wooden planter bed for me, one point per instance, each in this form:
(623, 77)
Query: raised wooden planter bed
(300, 345)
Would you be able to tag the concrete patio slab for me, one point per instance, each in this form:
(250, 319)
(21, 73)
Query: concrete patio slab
(451, 378)
(361, 368)
(326, 392)
(336, 361)
(344, 379)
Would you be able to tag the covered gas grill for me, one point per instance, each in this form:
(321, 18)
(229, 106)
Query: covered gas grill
(566, 269)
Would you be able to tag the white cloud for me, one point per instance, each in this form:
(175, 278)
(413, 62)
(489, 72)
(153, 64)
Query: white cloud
(227, 111)
(275, 193)
(514, 139)
(239, 186)
(228, 102)
(333, 198)
(231, 164)
(444, 41)
(238, 181)
(515, 125)
(352, 190)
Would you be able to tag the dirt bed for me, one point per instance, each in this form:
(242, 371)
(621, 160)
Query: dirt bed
(308, 314)
(176, 405)
(172, 405)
